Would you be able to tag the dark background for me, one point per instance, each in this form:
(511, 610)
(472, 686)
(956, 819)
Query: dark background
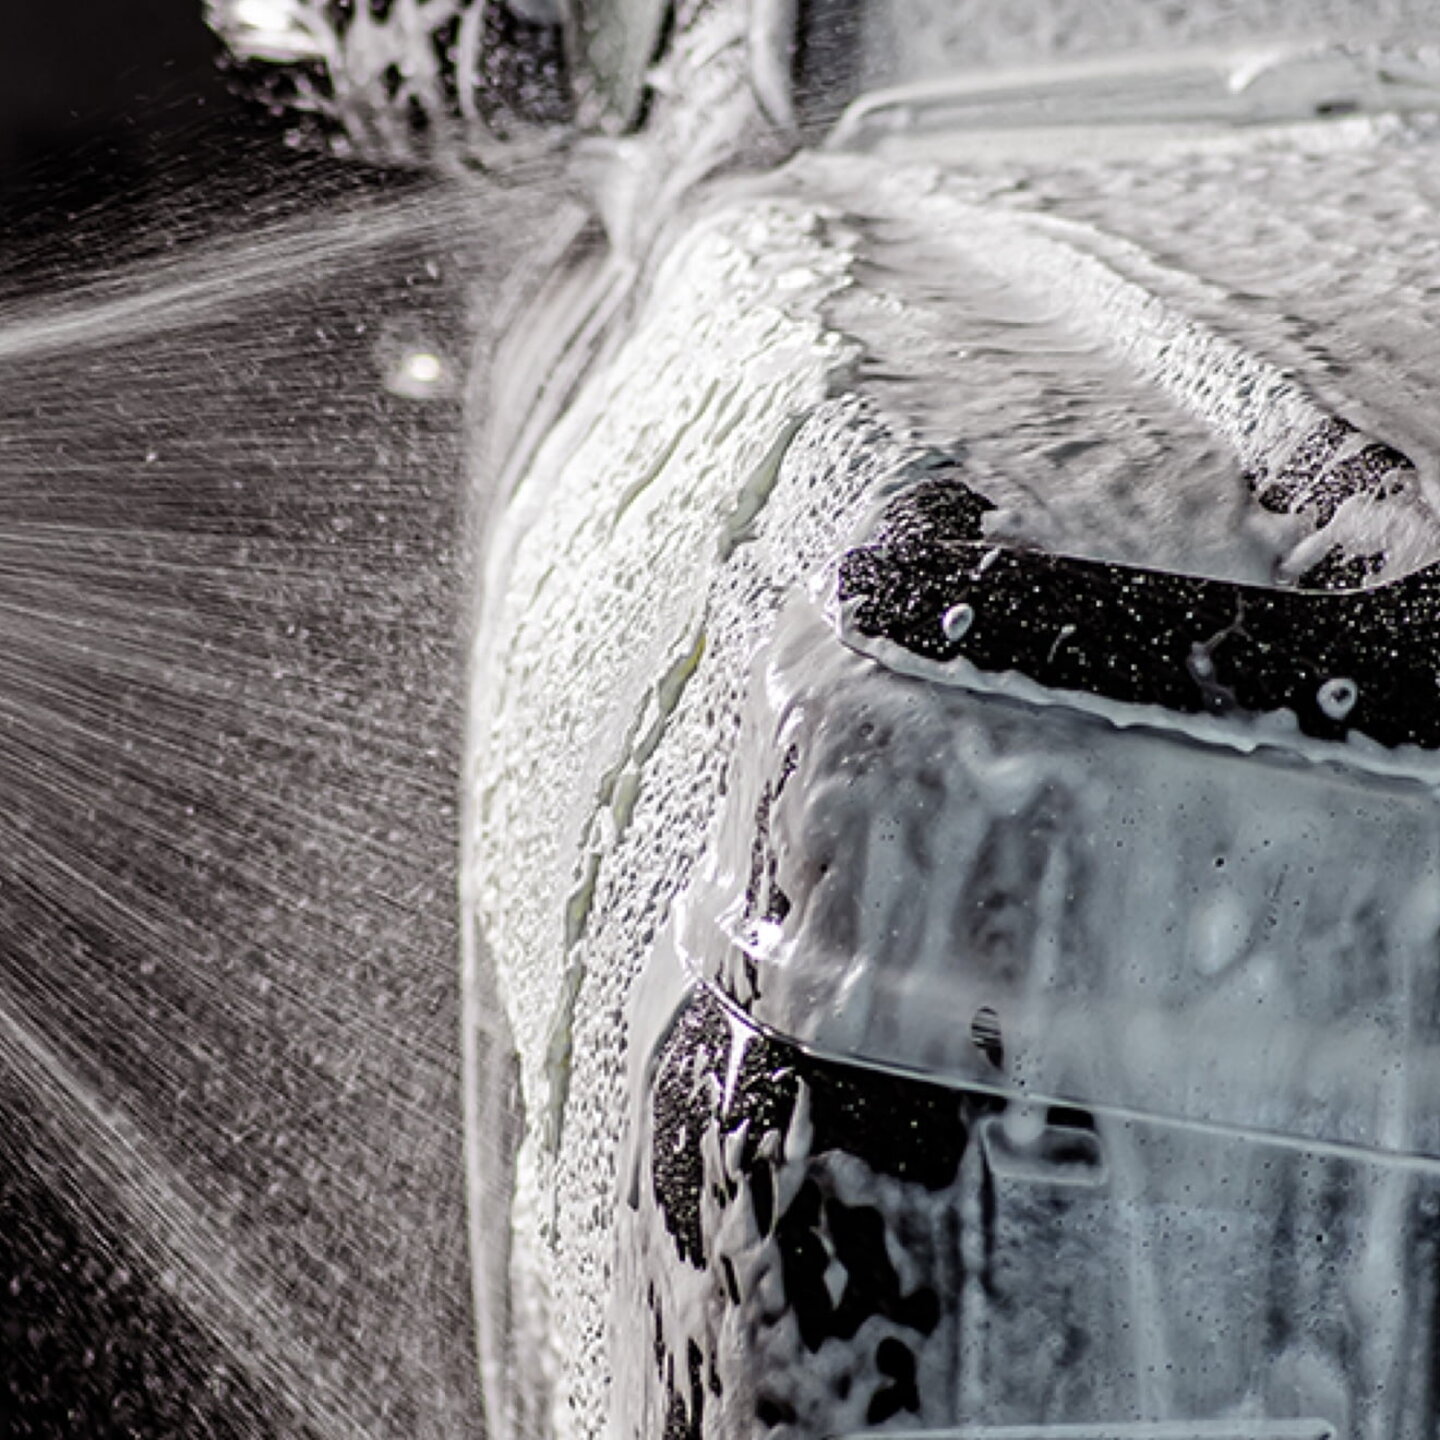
(120, 135)
(100, 102)
(121, 132)
(97, 100)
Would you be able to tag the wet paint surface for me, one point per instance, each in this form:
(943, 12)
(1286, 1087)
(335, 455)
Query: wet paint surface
(1160, 932)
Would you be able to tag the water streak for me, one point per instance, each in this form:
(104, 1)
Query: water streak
(231, 557)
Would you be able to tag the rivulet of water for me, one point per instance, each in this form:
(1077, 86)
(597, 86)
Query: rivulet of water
(230, 566)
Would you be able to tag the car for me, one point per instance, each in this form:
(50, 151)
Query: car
(951, 844)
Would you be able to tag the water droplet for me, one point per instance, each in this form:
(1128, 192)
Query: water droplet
(957, 620)
(1337, 698)
(423, 368)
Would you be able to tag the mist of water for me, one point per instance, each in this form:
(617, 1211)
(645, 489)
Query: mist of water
(231, 563)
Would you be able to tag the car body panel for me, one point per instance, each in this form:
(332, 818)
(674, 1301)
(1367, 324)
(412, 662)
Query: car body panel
(800, 349)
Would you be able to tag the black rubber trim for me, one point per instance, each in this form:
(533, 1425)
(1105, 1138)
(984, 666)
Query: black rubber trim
(723, 1107)
(1351, 661)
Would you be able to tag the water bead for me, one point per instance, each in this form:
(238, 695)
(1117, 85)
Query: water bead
(957, 620)
(1337, 698)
